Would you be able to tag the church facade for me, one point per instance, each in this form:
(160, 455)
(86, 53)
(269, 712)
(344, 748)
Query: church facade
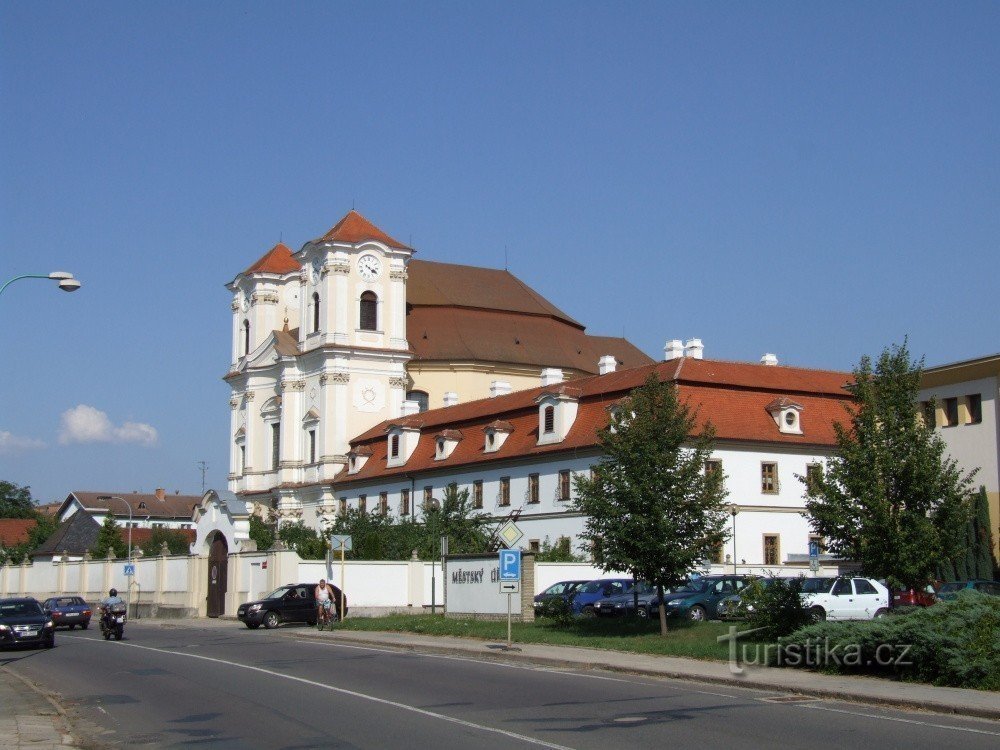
(364, 378)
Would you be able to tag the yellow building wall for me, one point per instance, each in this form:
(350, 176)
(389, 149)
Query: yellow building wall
(472, 380)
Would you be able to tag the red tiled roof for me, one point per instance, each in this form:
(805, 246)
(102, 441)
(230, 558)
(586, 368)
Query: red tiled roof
(732, 396)
(277, 260)
(178, 507)
(355, 228)
(14, 531)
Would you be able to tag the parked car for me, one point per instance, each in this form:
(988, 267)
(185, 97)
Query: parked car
(294, 602)
(68, 611)
(698, 599)
(950, 590)
(562, 590)
(913, 597)
(730, 608)
(845, 598)
(583, 599)
(23, 622)
(624, 604)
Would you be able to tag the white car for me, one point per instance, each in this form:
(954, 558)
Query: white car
(845, 598)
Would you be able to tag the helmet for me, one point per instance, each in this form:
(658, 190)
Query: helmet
(113, 592)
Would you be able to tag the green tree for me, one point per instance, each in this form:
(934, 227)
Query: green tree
(651, 507)
(889, 498)
(986, 563)
(377, 537)
(261, 532)
(305, 541)
(454, 517)
(558, 552)
(16, 502)
(109, 538)
(177, 542)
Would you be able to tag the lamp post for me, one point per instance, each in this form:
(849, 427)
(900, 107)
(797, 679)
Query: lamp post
(733, 510)
(128, 507)
(65, 280)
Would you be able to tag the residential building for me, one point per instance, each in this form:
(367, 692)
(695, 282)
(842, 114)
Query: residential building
(148, 510)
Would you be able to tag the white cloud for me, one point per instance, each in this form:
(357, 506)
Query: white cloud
(85, 424)
(11, 443)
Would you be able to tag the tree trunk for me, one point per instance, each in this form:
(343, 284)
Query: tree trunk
(663, 609)
(635, 595)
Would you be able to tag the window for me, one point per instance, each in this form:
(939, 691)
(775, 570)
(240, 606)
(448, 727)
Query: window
(421, 397)
(243, 458)
(312, 446)
(814, 478)
(564, 484)
(950, 412)
(369, 311)
(275, 445)
(842, 587)
(428, 498)
(363, 503)
(477, 494)
(343, 506)
(404, 502)
(534, 545)
(440, 447)
(394, 446)
(712, 466)
(490, 440)
(861, 586)
(772, 550)
(532, 488)
(717, 553)
(974, 402)
(769, 478)
(246, 337)
(927, 408)
(549, 418)
(383, 503)
(315, 312)
(504, 490)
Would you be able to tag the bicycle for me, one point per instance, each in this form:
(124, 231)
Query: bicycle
(323, 619)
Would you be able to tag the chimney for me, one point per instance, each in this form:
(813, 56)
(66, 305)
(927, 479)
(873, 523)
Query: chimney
(410, 407)
(769, 359)
(694, 349)
(673, 349)
(551, 376)
(160, 494)
(499, 388)
(606, 364)
(450, 398)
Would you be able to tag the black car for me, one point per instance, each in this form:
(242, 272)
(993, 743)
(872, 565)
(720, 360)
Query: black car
(68, 611)
(624, 604)
(23, 622)
(294, 602)
(562, 590)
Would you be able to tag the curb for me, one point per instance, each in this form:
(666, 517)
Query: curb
(66, 729)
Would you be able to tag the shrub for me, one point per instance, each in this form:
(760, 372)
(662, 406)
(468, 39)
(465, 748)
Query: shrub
(559, 609)
(954, 643)
(773, 605)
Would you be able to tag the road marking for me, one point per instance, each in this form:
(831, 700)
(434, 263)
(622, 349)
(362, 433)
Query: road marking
(897, 718)
(344, 691)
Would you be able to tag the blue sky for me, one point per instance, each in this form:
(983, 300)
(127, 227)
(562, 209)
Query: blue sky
(812, 180)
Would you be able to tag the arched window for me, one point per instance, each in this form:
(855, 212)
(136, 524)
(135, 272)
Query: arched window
(550, 419)
(315, 312)
(369, 311)
(246, 337)
(421, 397)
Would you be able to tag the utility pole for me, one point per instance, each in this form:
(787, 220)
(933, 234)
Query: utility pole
(203, 465)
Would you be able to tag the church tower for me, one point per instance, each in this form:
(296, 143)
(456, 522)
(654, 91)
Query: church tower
(319, 356)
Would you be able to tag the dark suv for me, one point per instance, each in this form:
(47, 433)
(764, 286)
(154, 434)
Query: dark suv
(24, 623)
(294, 602)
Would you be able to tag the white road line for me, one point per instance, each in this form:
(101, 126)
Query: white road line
(344, 691)
(896, 718)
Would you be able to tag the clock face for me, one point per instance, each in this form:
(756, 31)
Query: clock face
(369, 267)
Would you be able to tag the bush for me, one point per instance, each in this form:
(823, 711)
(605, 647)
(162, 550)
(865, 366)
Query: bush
(954, 643)
(773, 605)
(559, 609)
(177, 542)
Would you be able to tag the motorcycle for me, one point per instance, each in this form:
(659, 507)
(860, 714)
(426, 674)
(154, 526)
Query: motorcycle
(113, 623)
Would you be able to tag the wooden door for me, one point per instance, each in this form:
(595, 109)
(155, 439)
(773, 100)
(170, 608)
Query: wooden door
(218, 563)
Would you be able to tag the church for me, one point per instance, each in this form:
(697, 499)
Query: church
(362, 377)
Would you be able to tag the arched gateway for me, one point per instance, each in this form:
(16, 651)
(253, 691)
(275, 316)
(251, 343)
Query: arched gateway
(218, 563)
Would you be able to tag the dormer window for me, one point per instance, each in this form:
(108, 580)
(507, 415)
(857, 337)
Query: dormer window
(403, 437)
(496, 434)
(557, 409)
(445, 443)
(357, 459)
(549, 419)
(394, 446)
(787, 415)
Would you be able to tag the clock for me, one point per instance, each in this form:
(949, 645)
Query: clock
(369, 267)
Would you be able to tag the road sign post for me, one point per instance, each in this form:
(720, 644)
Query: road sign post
(344, 543)
(510, 581)
(814, 556)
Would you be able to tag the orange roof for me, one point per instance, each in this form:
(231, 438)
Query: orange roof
(355, 228)
(277, 260)
(15, 530)
(733, 396)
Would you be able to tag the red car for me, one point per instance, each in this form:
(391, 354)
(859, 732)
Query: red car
(912, 597)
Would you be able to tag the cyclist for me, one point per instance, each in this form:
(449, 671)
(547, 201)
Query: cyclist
(324, 601)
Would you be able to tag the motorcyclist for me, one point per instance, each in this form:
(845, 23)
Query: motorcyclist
(112, 601)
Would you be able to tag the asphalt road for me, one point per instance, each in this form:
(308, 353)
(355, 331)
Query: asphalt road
(222, 686)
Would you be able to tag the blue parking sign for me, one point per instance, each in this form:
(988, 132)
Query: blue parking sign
(510, 565)
(813, 550)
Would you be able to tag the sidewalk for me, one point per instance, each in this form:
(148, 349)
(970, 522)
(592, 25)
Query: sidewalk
(28, 718)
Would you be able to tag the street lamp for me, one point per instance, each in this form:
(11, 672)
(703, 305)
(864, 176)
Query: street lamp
(128, 507)
(733, 510)
(65, 280)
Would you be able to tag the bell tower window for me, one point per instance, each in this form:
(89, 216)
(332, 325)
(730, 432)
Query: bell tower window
(315, 312)
(246, 338)
(369, 311)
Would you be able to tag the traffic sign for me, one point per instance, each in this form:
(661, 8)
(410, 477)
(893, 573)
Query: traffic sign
(510, 565)
(342, 541)
(509, 534)
(510, 587)
(814, 550)
(129, 569)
